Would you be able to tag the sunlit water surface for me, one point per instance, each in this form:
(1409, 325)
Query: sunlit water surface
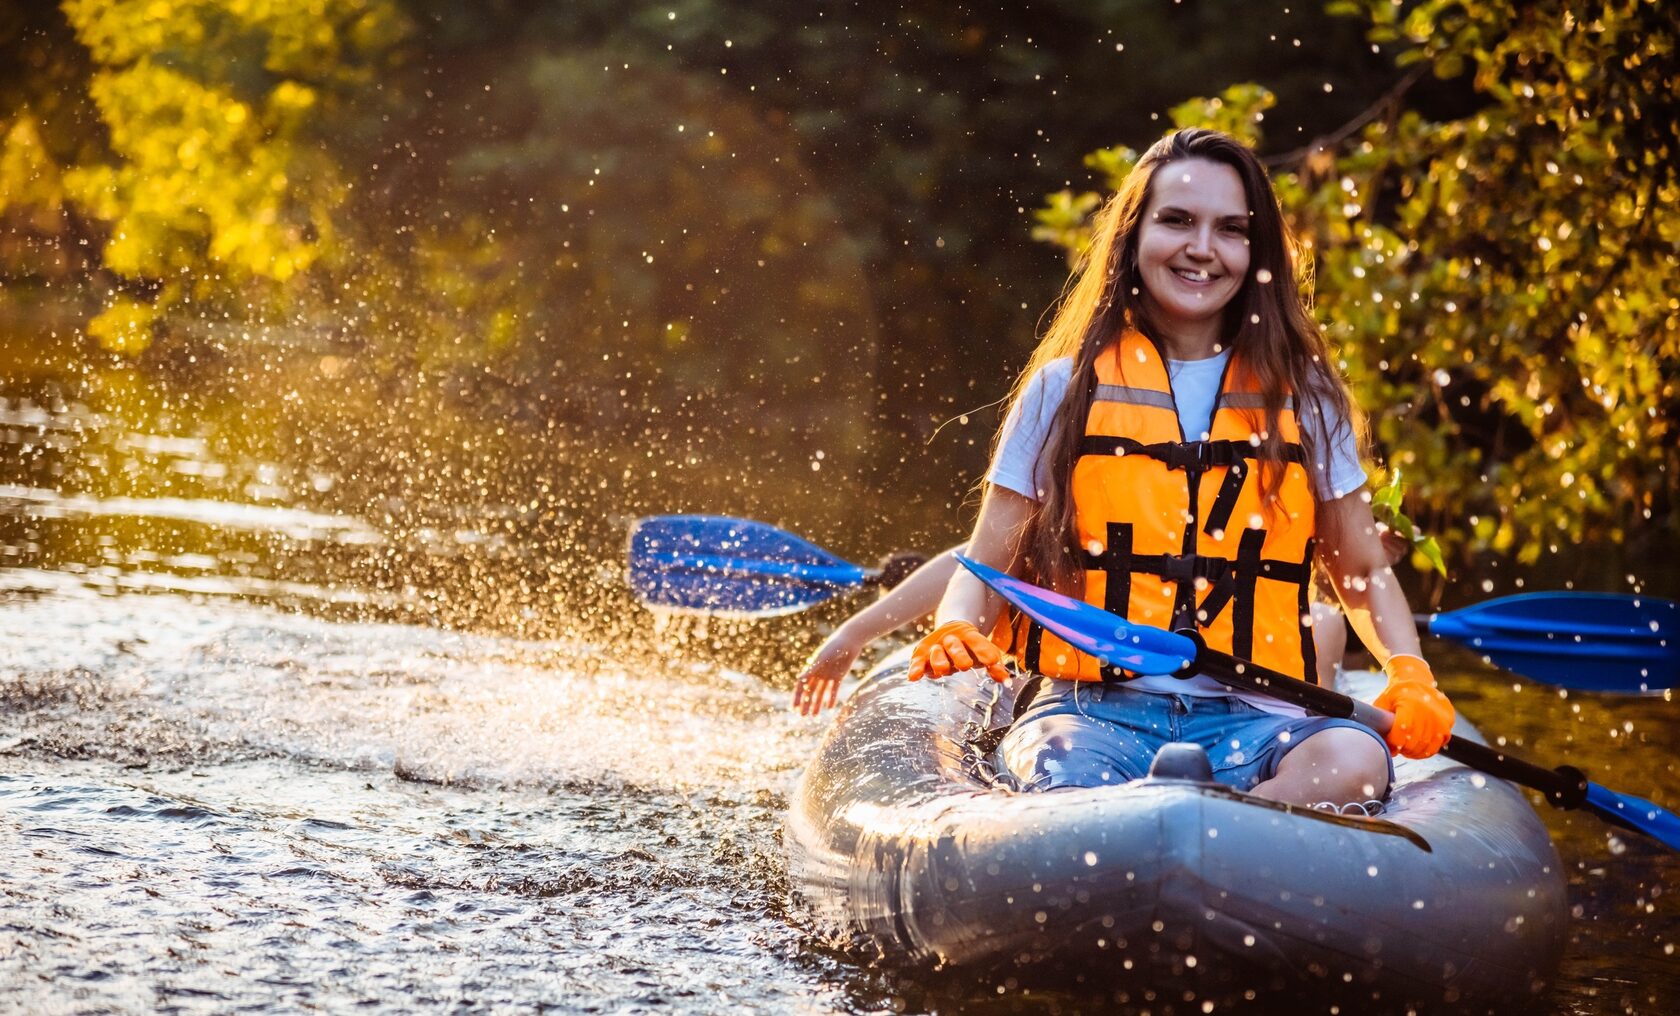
(235, 775)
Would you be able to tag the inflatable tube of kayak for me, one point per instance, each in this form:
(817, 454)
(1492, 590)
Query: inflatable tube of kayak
(902, 842)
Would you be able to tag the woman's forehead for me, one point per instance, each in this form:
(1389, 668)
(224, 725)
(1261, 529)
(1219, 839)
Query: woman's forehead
(1199, 185)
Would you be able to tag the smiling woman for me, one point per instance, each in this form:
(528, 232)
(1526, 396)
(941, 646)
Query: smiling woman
(1179, 454)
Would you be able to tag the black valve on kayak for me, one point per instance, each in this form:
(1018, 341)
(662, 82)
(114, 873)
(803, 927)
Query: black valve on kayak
(1181, 760)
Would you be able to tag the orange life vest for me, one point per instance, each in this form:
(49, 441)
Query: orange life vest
(1174, 533)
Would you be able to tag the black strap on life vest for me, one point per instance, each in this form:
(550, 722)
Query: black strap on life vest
(1231, 582)
(1303, 603)
(1238, 581)
(1225, 502)
(1191, 456)
(1033, 647)
(1236, 589)
(1119, 563)
(1246, 577)
(1116, 560)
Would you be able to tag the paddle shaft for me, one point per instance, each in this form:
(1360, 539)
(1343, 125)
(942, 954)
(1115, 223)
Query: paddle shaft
(1564, 787)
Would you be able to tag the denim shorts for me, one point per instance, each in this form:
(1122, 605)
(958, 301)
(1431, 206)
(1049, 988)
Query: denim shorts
(1084, 734)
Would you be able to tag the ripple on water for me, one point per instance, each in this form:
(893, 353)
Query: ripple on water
(406, 896)
(243, 808)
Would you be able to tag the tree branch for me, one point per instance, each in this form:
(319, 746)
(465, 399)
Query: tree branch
(1325, 142)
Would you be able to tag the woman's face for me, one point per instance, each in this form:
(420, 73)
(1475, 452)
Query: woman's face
(1193, 246)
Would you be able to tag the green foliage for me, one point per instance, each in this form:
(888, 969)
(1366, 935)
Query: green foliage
(1063, 219)
(728, 215)
(1499, 285)
(1237, 111)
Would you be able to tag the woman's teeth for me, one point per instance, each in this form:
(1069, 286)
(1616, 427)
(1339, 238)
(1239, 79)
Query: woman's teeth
(1201, 276)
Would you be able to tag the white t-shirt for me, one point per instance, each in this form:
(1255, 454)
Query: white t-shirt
(1021, 466)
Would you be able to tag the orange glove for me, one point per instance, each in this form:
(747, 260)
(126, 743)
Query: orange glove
(1423, 718)
(954, 646)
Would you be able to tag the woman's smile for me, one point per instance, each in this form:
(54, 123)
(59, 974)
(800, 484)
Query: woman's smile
(1197, 276)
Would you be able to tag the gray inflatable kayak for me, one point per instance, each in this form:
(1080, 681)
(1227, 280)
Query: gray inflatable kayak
(904, 842)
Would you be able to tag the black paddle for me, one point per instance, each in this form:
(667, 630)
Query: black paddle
(1148, 650)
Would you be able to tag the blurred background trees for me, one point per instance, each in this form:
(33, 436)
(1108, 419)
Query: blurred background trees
(809, 237)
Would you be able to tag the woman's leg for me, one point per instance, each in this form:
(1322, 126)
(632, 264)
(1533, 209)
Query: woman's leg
(1338, 764)
(1085, 737)
(1061, 752)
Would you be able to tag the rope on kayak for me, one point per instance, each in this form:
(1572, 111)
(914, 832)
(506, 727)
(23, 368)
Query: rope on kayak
(1358, 809)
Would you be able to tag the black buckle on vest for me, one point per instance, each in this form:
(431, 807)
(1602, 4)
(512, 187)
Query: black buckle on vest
(1186, 455)
(1190, 567)
(1196, 456)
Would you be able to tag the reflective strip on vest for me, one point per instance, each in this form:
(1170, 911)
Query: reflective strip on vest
(1249, 400)
(1135, 396)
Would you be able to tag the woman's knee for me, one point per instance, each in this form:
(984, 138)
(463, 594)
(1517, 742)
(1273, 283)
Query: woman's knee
(1342, 761)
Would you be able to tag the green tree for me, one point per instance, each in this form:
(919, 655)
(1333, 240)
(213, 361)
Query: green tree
(212, 182)
(1499, 284)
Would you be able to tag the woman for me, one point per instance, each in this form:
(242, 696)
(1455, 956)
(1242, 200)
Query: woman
(1180, 451)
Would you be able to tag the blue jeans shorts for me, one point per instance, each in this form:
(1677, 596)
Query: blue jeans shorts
(1084, 734)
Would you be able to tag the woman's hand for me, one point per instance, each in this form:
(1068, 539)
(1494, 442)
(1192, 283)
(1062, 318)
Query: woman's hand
(1423, 717)
(954, 646)
(818, 685)
(1394, 545)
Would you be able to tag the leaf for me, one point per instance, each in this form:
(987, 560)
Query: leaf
(1403, 525)
(1430, 551)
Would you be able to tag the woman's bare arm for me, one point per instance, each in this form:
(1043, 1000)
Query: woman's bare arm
(995, 542)
(1358, 564)
(818, 684)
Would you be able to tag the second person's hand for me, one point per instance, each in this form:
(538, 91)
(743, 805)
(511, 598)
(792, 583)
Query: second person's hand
(818, 684)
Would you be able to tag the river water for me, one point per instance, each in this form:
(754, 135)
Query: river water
(289, 722)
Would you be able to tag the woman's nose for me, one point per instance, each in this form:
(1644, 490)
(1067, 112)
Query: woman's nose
(1201, 243)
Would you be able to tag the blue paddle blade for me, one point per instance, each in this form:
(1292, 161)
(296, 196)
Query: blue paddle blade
(1635, 813)
(1588, 641)
(1091, 630)
(714, 564)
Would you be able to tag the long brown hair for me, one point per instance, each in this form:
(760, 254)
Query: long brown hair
(1266, 325)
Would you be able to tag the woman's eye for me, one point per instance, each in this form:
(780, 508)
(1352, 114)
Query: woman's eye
(1236, 229)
